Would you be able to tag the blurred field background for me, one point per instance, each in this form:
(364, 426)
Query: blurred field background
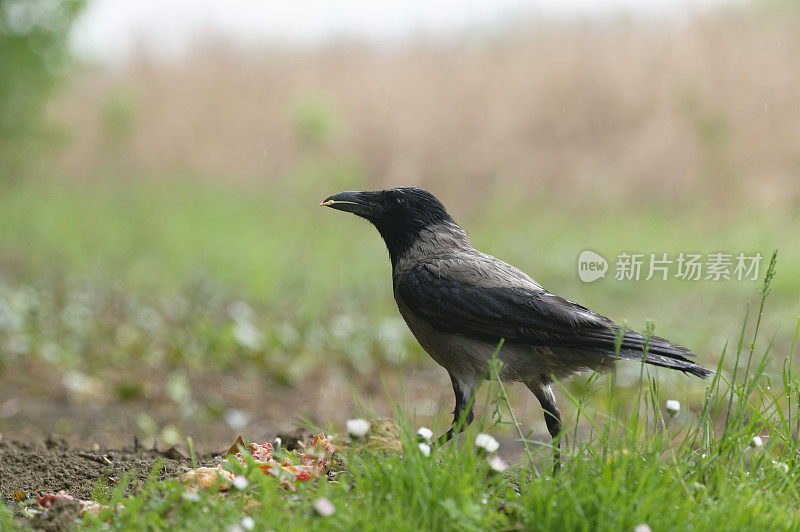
(165, 270)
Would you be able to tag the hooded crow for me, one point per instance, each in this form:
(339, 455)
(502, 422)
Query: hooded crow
(459, 303)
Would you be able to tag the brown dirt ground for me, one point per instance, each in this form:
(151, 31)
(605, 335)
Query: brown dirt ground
(49, 466)
(35, 468)
(35, 404)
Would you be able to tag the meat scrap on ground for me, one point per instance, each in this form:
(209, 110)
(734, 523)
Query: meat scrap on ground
(313, 461)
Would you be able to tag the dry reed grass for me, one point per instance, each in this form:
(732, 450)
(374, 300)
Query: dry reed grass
(639, 111)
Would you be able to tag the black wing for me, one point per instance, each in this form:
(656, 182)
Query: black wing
(537, 318)
(516, 314)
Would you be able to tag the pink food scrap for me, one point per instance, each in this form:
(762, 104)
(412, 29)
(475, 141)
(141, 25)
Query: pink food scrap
(46, 501)
(314, 459)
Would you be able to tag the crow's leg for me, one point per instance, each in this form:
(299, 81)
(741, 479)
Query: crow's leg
(552, 417)
(462, 414)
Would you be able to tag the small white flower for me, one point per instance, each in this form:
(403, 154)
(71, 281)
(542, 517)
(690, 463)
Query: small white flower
(497, 464)
(239, 482)
(324, 508)
(248, 523)
(673, 407)
(781, 466)
(248, 336)
(356, 428)
(236, 419)
(486, 442)
(642, 527)
(277, 442)
(756, 442)
(240, 311)
(425, 434)
(425, 449)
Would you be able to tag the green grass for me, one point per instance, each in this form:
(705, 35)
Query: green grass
(637, 465)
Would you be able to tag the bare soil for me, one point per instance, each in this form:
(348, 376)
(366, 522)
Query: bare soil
(39, 467)
(35, 468)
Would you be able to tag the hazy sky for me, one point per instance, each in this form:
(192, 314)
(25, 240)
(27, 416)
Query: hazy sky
(110, 28)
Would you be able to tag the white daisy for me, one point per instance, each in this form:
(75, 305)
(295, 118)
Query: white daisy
(323, 507)
(356, 428)
(497, 464)
(239, 482)
(425, 434)
(673, 407)
(486, 442)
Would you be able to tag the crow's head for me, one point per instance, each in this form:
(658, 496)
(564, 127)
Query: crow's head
(399, 214)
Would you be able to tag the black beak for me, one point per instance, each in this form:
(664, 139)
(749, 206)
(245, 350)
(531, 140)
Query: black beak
(363, 204)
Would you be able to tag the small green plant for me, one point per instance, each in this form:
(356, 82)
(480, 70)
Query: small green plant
(314, 121)
(33, 40)
(118, 117)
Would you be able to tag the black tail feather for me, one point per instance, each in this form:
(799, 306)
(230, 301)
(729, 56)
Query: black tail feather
(660, 352)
